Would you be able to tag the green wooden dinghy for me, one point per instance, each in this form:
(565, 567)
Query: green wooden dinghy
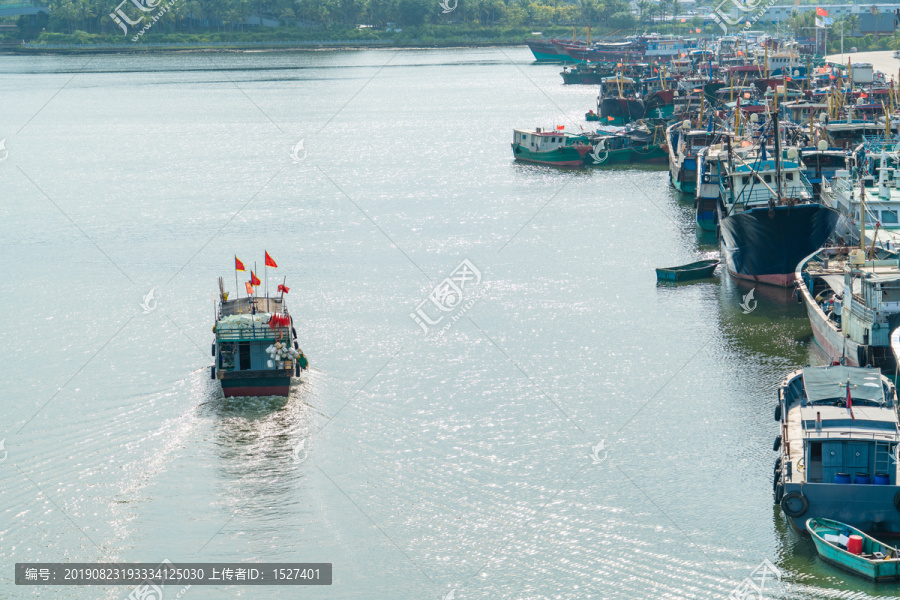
(876, 561)
(701, 269)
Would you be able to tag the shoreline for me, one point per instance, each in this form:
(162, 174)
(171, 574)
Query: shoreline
(286, 46)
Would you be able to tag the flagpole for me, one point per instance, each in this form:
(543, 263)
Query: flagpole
(282, 288)
(237, 293)
(266, 267)
(251, 280)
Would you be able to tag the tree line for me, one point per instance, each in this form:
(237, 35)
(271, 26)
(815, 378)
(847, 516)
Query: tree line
(193, 16)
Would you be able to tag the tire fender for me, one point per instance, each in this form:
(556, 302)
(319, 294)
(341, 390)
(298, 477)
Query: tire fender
(794, 504)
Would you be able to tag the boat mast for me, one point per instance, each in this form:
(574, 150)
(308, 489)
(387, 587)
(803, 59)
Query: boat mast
(777, 125)
(862, 213)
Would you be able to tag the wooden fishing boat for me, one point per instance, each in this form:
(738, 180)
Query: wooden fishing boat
(701, 269)
(875, 560)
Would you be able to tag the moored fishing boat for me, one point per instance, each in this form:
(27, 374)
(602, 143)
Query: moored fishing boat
(853, 304)
(767, 216)
(853, 550)
(619, 102)
(838, 431)
(256, 347)
(554, 147)
(683, 144)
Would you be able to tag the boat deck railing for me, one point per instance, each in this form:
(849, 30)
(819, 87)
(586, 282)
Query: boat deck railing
(253, 334)
(851, 436)
(246, 306)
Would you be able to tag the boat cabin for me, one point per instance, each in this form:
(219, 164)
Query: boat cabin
(753, 184)
(539, 140)
(831, 443)
(243, 333)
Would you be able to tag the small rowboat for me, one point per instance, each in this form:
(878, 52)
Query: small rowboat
(695, 270)
(876, 561)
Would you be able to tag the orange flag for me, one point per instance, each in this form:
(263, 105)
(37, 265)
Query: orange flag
(269, 261)
(249, 288)
(238, 265)
(254, 280)
(610, 118)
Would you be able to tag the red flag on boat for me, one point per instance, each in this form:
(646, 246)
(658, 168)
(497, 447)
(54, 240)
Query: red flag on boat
(850, 402)
(283, 288)
(821, 12)
(249, 288)
(269, 261)
(863, 95)
(238, 265)
(254, 280)
(560, 127)
(610, 118)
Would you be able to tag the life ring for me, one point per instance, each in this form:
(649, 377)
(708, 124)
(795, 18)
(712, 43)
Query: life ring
(706, 178)
(794, 504)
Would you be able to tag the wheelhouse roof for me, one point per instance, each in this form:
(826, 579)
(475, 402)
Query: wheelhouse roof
(830, 383)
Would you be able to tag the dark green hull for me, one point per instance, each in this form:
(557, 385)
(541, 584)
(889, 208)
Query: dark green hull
(562, 157)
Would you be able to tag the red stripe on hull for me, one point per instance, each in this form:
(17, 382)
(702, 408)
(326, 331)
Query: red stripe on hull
(561, 163)
(271, 390)
(781, 279)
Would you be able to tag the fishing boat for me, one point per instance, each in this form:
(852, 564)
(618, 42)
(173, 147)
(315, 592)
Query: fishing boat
(838, 434)
(852, 550)
(767, 215)
(852, 299)
(609, 149)
(684, 143)
(864, 198)
(619, 101)
(554, 147)
(586, 73)
(702, 269)
(256, 347)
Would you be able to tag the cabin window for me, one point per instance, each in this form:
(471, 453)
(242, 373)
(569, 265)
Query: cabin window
(889, 216)
(745, 180)
(767, 178)
(226, 356)
(244, 355)
(789, 176)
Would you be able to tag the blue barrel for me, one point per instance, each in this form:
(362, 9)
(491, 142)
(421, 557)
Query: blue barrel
(862, 479)
(842, 477)
(882, 479)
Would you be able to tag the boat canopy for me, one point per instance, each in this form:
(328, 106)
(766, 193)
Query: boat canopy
(830, 384)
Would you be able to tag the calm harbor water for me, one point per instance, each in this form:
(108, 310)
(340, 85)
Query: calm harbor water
(579, 432)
